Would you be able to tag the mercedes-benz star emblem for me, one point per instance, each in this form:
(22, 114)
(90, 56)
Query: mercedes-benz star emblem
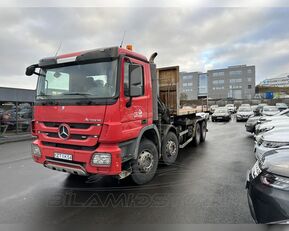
(63, 131)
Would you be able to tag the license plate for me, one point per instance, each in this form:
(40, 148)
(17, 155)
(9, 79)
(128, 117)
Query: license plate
(62, 156)
(219, 118)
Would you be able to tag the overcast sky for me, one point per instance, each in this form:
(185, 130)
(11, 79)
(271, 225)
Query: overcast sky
(196, 39)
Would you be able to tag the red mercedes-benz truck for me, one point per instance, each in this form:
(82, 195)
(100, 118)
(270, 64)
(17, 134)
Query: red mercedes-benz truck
(109, 111)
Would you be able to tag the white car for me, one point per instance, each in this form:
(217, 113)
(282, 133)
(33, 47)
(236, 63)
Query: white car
(231, 108)
(270, 110)
(271, 130)
(244, 113)
(204, 115)
(277, 116)
(264, 127)
(270, 142)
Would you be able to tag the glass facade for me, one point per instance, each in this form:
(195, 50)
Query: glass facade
(203, 84)
(15, 117)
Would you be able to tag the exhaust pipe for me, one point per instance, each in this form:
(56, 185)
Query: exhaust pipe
(153, 56)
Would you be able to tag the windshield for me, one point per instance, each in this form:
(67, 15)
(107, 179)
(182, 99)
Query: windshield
(245, 110)
(96, 80)
(270, 109)
(221, 110)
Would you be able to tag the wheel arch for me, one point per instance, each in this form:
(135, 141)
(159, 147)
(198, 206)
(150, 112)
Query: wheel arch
(149, 132)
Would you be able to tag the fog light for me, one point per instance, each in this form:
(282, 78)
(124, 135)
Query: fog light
(35, 150)
(101, 159)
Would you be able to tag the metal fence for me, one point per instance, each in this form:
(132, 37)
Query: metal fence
(15, 118)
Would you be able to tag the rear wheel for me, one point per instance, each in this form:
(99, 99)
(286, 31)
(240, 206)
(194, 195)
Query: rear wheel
(203, 131)
(197, 138)
(170, 148)
(145, 166)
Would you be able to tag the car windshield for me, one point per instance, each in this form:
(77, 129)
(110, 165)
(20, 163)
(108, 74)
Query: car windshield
(97, 80)
(245, 110)
(221, 110)
(271, 109)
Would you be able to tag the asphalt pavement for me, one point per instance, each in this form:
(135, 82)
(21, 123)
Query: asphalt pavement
(206, 185)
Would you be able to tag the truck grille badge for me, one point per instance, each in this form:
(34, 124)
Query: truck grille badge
(63, 131)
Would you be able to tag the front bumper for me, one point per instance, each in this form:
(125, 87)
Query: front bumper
(221, 118)
(266, 204)
(250, 127)
(242, 118)
(81, 160)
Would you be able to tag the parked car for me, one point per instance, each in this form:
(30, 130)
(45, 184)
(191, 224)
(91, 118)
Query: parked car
(279, 116)
(264, 127)
(269, 110)
(270, 142)
(251, 123)
(269, 130)
(244, 113)
(231, 108)
(203, 115)
(281, 106)
(245, 105)
(221, 114)
(213, 108)
(268, 187)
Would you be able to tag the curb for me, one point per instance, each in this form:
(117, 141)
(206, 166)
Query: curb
(15, 139)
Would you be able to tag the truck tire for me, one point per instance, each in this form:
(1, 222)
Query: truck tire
(197, 138)
(170, 148)
(203, 131)
(145, 166)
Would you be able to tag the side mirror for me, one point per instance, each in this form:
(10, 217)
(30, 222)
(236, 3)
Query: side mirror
(135, 80)
(31, 70)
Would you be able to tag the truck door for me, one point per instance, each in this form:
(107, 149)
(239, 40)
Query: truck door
(134, 116)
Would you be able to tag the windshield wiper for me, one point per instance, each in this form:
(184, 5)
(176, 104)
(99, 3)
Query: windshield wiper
(76, 93)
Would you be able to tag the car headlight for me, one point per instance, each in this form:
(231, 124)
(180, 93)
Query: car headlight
(101, 159)
(272, 144)
(275, 181)
(256, 170)
(35, 150)
(266, 129)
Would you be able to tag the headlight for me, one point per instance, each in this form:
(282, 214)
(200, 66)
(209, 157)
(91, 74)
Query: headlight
(256, 170)
(271, 144)
(101, 159)
(261, 130)
(35, 150)
(275, 181)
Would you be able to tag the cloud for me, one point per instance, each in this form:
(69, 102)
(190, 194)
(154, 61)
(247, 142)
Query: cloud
(196, 39)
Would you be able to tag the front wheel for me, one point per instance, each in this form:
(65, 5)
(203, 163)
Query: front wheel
(145, 166)
(197, 138)
(170, 148)
(203, 131)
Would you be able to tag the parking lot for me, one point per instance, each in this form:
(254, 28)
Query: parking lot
(206, 185)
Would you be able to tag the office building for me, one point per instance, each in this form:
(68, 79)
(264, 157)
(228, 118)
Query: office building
(237, 82)
(282, 81)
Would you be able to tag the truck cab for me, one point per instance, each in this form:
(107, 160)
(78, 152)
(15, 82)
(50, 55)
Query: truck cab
(98, 112)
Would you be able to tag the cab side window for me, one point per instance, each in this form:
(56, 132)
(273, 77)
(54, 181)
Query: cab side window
(126, 79)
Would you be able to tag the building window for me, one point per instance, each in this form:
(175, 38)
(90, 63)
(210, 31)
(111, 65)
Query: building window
(185, 84)
(249, 71)
(190, 84)
(235, 73)
(249, 79)
(235, 80)
(249, 86)
(220, 81)
(219, 73)
(187, 77)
